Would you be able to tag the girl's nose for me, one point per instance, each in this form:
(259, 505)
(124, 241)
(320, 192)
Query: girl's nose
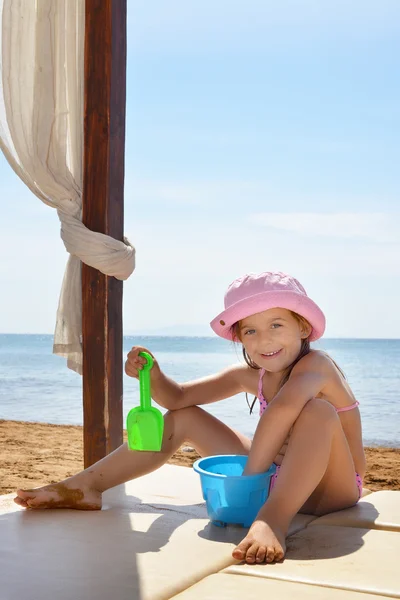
(266, 337)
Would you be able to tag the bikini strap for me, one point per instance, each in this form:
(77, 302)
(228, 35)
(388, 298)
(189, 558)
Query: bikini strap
(346, 408)
(260, 382)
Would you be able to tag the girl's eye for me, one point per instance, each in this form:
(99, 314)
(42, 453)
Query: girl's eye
(249, 331)
(276, 325)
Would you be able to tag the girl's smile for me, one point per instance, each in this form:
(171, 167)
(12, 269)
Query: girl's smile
(270, 355)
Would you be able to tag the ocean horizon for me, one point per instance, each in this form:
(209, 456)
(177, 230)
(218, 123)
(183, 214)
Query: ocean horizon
(36, 385)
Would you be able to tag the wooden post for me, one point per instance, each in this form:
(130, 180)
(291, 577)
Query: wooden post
(103, 183)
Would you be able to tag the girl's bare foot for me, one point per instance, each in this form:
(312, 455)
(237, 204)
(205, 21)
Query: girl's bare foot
(261, 544)
(67, 494)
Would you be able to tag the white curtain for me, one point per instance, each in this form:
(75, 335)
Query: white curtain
(41, 135)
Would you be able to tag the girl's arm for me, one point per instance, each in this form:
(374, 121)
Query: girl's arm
(206, 390)
(172, 395)
(307, 380)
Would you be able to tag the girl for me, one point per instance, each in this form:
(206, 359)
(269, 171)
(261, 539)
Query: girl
(309, 427)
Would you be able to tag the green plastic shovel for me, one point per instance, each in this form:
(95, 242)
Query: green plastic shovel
(145, 424)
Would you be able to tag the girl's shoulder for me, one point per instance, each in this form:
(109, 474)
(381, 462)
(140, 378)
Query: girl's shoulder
(330, 379)
(316, 361)
(313, 375)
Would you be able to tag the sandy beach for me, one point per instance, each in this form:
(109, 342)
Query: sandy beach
(34, 454)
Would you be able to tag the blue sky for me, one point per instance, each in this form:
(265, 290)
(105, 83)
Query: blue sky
(260, 135)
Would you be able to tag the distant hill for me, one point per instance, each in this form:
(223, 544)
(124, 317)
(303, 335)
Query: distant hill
(175, 330)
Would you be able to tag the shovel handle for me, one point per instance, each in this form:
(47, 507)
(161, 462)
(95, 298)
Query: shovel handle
(144, 381)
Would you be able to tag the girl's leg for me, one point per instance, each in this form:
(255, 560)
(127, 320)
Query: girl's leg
(83, 491)
(317, 476)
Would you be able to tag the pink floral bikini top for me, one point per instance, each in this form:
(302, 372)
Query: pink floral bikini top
(264, 403)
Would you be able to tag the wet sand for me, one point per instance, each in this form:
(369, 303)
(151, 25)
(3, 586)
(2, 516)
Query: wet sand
(34, 454)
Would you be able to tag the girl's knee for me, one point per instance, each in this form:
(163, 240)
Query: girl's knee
(320, 409)
(184, 421)
(189, 412)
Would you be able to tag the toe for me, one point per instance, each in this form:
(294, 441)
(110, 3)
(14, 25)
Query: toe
(20, 502)
(260, 556)
(238, 554)
(270, 554)
(34, 502)
(240, 551)
(251, 554)
(25, 494)
(279, 554)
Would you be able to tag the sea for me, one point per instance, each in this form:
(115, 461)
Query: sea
(37, 386)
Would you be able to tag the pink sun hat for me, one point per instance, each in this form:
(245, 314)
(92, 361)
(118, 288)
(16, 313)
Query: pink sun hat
(254, 293)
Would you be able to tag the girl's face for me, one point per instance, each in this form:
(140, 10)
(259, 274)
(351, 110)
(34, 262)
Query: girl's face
(273, 338)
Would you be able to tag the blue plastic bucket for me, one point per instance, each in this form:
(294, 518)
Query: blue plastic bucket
(231, 497)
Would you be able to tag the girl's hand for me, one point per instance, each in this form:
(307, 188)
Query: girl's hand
(134, 363)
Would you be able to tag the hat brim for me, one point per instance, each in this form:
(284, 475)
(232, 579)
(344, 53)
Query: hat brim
(302, 305)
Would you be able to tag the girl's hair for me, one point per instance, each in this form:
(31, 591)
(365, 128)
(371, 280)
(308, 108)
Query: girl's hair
(304, 350)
